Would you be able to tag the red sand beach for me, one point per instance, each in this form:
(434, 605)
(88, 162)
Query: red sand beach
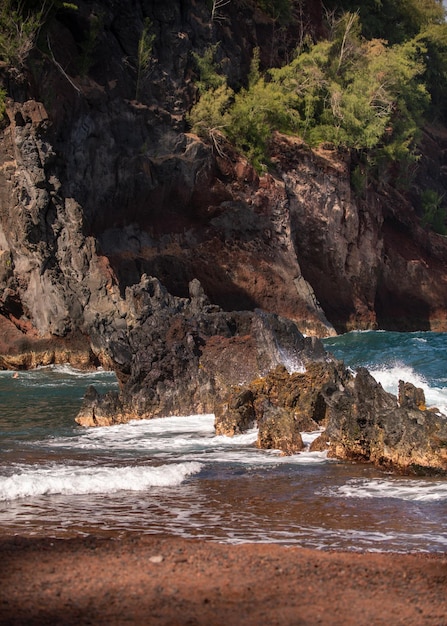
(159, 581)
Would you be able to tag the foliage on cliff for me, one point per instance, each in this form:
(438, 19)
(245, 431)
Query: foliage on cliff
(398, 21)
(394, 20)
(346, 90)
(18, 31)
(20, 24)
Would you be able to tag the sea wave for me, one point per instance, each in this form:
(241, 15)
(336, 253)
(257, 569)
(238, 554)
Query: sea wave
(77, 480)
(410, 490)
(60, 376)
(63, 369)
(192, 438)
(390, 376)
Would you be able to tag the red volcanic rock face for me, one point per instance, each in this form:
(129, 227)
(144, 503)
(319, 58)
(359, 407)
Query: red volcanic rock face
(98, 188)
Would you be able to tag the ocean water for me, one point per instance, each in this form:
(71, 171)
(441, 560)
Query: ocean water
(174, 476)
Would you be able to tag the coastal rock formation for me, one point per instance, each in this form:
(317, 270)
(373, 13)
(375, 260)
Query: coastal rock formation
(369, 261)
(362, 421)
(19, 351)
(177, 356)
(368, 424)
(281, 404)
(98, 187)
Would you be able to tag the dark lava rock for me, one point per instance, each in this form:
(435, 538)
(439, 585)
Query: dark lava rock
(363, 422)
(282, 404)
(366, 423)
(178, 356)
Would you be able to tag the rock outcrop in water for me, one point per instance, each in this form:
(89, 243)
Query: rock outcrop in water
(178, 356)
(368, 424)
(362, 421)
(281, 404)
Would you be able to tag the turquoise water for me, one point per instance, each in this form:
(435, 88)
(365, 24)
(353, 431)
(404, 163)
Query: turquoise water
(423, 353)
(419, 357)
(174, 476)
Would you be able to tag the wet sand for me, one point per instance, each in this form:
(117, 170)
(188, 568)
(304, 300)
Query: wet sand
(163, 580)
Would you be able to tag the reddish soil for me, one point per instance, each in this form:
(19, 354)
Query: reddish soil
(159, 581)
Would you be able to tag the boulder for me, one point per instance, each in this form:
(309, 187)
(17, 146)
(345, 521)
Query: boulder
(278, 430)
(237, 414)
(99, 410)
(410, 396)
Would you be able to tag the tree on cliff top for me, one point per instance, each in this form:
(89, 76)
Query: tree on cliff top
(399, 21)
(19, 28)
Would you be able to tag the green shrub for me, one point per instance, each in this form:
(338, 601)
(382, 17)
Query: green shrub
(395, 21)
(357, 94)
(434, 215)
(352, 93)
(20, 24)
(19, 28)
(208, 117)
(258, 110)
(209, 114)
(144, 54)
(209, 77)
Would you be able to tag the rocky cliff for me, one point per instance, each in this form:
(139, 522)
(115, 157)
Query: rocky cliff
(128, 241)
(101, 182)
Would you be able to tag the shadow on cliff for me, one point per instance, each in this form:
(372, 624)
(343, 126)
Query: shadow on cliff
(175, 273)
(403, 314)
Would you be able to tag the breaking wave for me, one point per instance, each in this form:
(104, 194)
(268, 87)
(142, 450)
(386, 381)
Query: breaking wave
(77, 480)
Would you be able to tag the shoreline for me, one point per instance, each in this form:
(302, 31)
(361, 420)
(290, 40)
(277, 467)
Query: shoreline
(158, 579)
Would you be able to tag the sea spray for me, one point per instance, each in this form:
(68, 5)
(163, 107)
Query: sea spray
(419, 358)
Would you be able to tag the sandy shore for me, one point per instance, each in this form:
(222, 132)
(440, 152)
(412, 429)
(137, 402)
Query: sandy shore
(157, 580)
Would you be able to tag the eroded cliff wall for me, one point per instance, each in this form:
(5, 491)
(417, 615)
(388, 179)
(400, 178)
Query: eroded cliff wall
(101, 182)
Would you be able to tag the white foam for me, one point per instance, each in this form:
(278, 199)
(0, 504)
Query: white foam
(389, 379)
(420, 339)
(75, 479)
(189, 438)
(255, 458)
(189, 423)
(310, 437)
(293, 365)
(411, 490)
(162, 435)
(68, 370)
(61, 370)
